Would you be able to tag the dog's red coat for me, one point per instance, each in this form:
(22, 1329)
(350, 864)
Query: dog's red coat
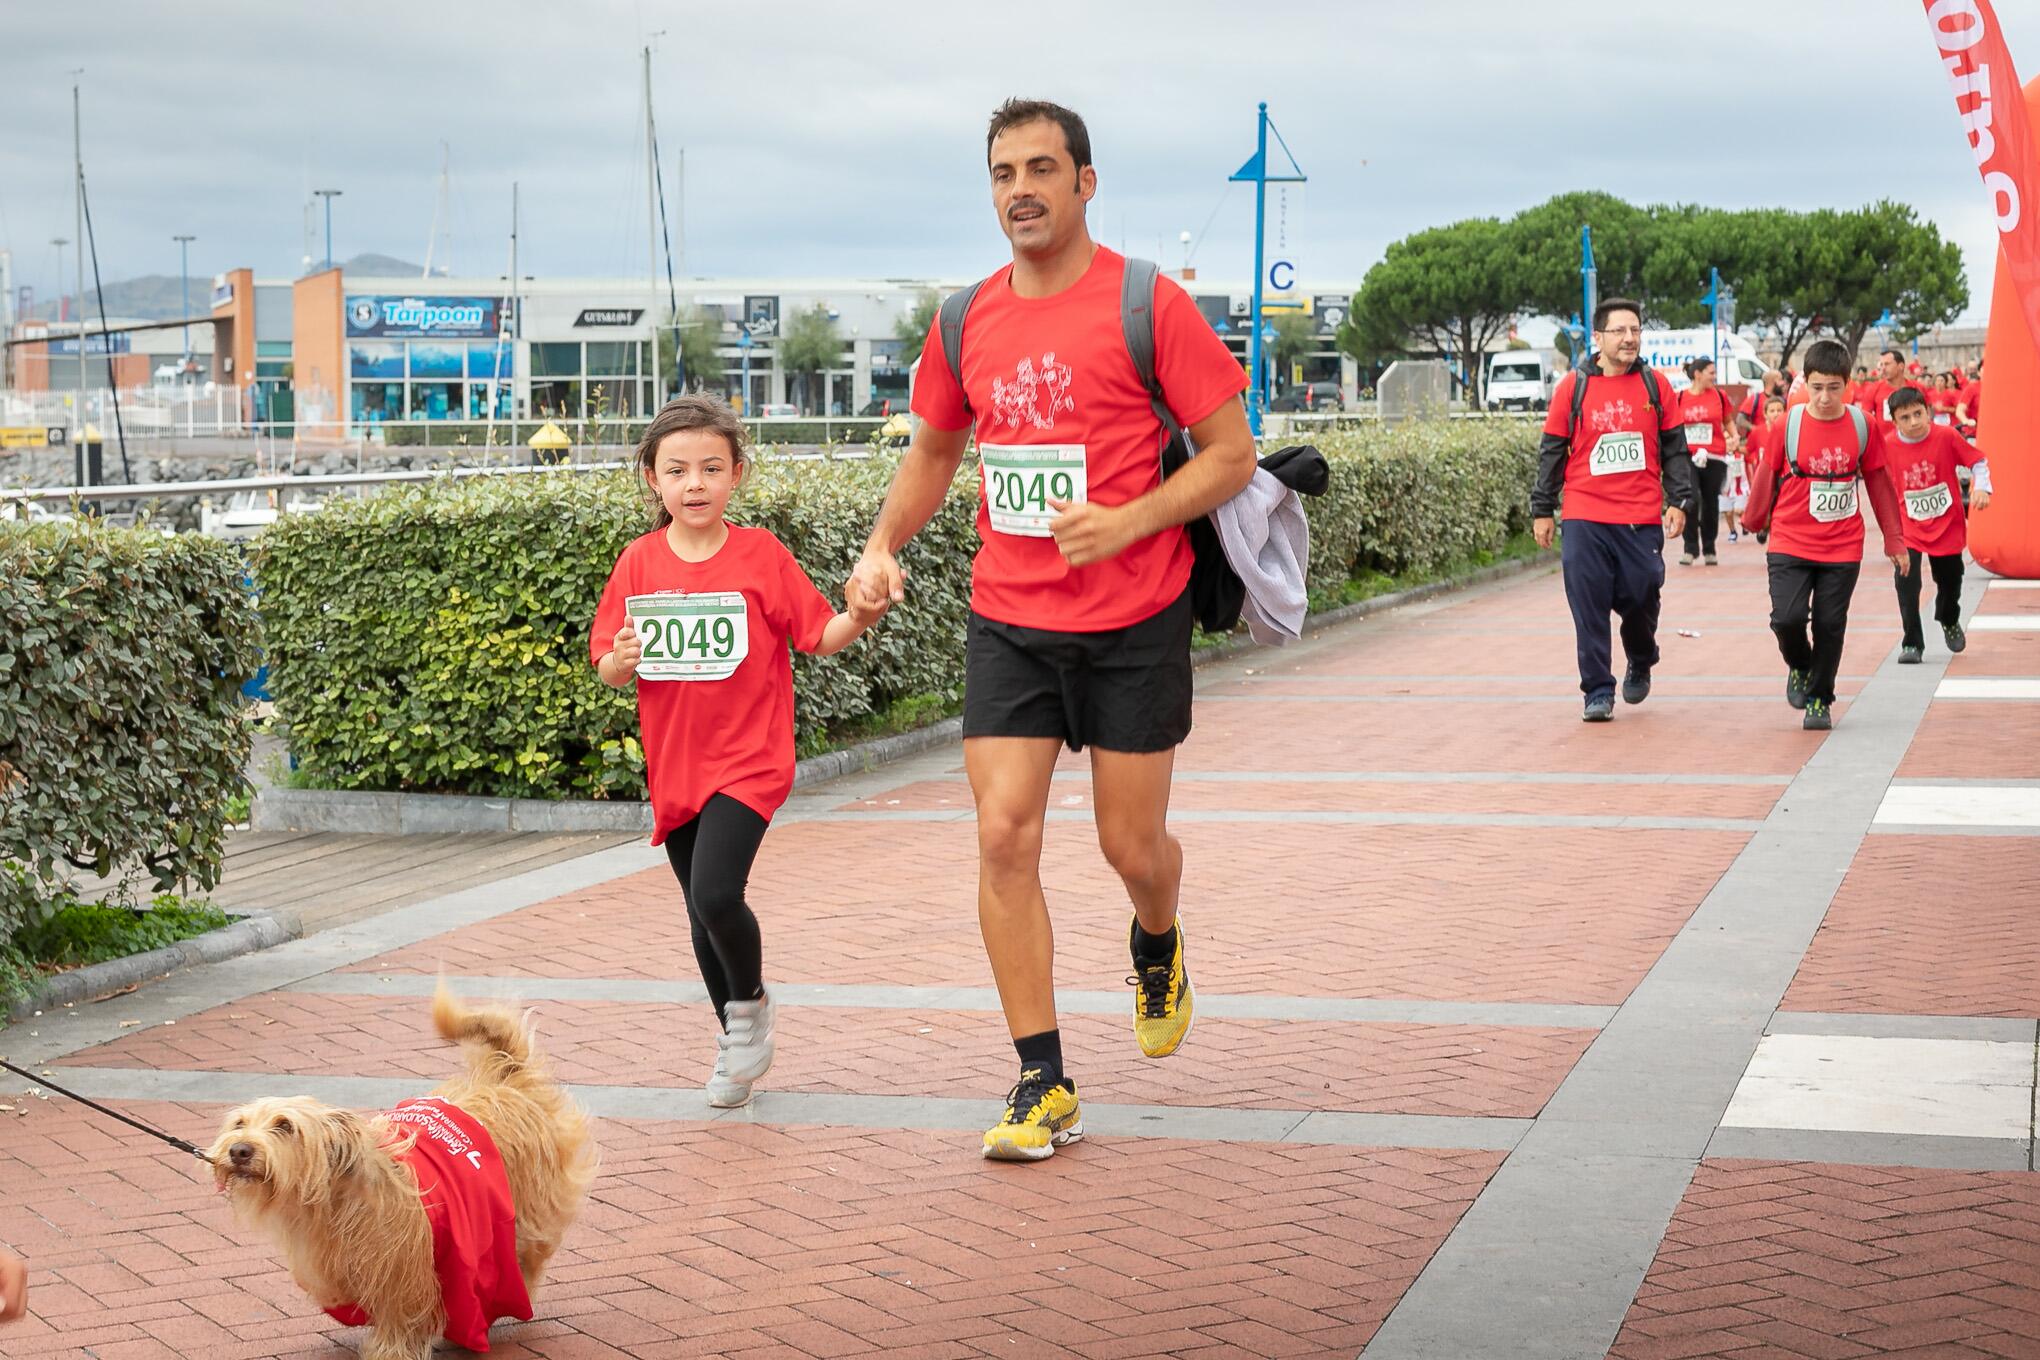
(466, 1194)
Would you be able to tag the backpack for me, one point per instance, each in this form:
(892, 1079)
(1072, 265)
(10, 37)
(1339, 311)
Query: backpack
(1797, 414)
(1650, 389)
(1216, 592)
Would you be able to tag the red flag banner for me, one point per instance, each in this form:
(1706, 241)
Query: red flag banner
(1994, 117)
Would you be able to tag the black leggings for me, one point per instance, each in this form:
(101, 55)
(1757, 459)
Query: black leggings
(1705, 521)
(1947, 572)
(712, 857)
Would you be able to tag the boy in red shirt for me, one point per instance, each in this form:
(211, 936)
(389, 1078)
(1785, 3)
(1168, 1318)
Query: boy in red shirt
(1923, 457)
(1803, 490)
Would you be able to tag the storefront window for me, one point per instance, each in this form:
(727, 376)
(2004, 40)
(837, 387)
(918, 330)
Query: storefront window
(611, 398)
(612, 358)
(556, 400)
(435, 361)
(375, 359)
(491, 360)
(557, 360)
(478, 400)
(374, 402)
(436, 401)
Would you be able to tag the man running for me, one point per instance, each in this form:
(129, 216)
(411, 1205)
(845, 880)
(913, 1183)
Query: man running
(1079, 629)
(1614, 442)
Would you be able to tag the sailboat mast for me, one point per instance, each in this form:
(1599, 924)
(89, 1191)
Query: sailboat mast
(652, 233)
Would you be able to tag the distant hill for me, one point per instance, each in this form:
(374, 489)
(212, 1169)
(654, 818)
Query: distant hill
(156, 297)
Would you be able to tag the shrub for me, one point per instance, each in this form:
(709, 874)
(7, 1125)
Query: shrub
(434, 637)
(122, 728)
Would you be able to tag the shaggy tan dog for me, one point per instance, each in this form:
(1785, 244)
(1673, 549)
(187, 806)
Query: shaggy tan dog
(340, 1195)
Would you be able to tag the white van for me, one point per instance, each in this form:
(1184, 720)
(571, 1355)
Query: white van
(1738, 366)
(1519, 380)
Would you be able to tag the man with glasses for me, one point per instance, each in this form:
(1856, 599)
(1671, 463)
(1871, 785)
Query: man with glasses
(1613, 443)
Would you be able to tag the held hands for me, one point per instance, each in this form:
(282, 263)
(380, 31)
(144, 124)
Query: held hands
(1086, 532)
(1545, 530)
(861, 610)
(1675, 521)
(876, 584)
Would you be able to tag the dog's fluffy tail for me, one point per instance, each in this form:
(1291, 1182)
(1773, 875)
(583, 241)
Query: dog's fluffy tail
(495, 1038)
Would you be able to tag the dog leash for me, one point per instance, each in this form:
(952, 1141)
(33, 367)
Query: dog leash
(172, 1139)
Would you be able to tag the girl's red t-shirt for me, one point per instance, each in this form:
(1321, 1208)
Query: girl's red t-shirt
(731, 732)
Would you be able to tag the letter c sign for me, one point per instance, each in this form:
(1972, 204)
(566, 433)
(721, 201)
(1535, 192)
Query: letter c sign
(1282, 276)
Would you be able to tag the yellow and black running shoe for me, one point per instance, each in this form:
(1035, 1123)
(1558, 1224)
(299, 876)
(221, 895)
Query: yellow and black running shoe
(1162, 1004)
(1041, 1115)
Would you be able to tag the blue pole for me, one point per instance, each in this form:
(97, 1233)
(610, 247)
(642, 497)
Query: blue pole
(1260, 401)
(1714, 313)
(1589, 277)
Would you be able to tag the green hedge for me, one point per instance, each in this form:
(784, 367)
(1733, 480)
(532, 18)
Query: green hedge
(434, 637)
(122, 730)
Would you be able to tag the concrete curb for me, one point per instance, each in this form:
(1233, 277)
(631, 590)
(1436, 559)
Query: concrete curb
(96, 980)
(415, 814)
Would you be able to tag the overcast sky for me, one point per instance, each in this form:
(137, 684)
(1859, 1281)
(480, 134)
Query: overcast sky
(826, 139)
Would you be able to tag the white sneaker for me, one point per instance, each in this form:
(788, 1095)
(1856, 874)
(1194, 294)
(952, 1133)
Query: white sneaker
(724, 1091)
(747, 1047)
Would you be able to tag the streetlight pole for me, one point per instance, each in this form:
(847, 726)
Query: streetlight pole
(60, 242)
(184, 288)
(329, 195)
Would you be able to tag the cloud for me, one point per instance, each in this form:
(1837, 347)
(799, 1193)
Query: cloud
(824, 139)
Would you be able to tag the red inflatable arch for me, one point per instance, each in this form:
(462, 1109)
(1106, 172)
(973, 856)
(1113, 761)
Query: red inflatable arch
(2006, 537)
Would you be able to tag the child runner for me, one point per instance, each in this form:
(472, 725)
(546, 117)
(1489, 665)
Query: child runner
(1804, 491)
(1924, 457)
(698, 613)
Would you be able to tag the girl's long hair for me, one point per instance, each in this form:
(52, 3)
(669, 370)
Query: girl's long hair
(693, 411)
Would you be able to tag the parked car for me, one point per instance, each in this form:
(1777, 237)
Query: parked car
(1317, 397)
(1519, 380)
(778, 408)
(884, 406)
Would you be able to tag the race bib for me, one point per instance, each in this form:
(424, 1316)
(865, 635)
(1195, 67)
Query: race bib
(1616, 453)
(1696, 435)
(690, 637)
(1930, 502)
(1021, 480)
(1832, 501)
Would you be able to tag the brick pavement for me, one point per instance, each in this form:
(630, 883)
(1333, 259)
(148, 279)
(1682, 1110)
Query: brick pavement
(749, 1237)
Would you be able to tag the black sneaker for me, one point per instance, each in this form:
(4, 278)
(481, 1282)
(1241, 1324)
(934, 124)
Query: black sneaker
(1635, 684)
(1795, 688)
(1910, 655)
(1600, 708)
(1817, 718)
(1957, 639)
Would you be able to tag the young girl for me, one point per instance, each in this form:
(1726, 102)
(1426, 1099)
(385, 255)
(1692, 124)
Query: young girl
(698, 614)
(1709, 418)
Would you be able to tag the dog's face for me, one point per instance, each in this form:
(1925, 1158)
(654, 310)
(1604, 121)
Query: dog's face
(272, 1153)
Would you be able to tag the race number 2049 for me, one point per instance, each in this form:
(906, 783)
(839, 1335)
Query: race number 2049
(1021, 480)
(690, 637)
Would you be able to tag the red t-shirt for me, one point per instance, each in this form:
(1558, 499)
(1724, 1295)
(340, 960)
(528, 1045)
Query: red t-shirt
(1058, 406)
(1930, 499)
(1707, 417)
(466, 1195)
(1610, 480)
(1830, 464)
(727, 725)
(1972, 397)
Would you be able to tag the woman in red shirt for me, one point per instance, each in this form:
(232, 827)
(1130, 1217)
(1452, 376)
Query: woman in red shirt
(1709, 418)
(697, 615)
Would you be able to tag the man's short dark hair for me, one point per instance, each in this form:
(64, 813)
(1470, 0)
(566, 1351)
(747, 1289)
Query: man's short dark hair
(1905, 396)
(1895, 356)
(1827, 356)
(1015, 112)
(1610, 306)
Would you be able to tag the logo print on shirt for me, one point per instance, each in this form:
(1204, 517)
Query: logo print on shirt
(1919, 476)
(1034, 396)
(1828, 462)
(1614, 416)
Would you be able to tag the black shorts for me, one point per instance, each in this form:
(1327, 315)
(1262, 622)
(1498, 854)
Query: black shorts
(1127, 689)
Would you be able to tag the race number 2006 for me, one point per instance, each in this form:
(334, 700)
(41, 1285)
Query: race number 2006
(1615, 453)
(690, 637)
(1021, 480)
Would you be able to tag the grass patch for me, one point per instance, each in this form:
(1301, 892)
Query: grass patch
(902, 715)
(1370, 584)
(76, 933)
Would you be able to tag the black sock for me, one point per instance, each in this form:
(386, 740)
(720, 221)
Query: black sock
(1043, 1051)
(1153, 948)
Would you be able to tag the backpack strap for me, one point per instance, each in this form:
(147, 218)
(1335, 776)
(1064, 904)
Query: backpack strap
(949, 324)
(1650, 390)
(1579, 401)
(1137, 325)
(1862, 424)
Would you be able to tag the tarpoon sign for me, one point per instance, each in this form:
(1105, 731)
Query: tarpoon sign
(415, 318)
